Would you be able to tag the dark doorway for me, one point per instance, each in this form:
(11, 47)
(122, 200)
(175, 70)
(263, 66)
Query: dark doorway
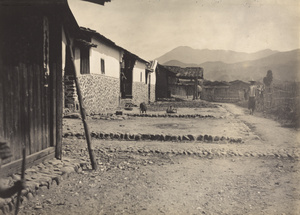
(149, 86)
(126, 76)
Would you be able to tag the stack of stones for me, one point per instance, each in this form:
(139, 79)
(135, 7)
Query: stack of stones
(71, 101)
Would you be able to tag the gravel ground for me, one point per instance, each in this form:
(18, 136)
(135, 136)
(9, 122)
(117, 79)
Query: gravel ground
(260, 176)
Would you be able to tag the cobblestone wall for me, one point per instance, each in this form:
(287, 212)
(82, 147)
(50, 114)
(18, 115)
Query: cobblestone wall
(99, 92)
(71, 100)
(139, 93)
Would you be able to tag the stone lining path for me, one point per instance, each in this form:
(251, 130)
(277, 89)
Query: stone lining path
(155, 137)
(45, 175)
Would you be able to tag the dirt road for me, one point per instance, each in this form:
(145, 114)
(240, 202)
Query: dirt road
(260, 176)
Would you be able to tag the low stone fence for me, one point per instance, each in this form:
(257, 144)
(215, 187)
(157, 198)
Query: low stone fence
(156, 137)
(109, 116)
(171, 115)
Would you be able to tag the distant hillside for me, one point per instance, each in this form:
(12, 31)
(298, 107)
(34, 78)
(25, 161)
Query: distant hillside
(284, 65)
(189, 55)
(180, 64)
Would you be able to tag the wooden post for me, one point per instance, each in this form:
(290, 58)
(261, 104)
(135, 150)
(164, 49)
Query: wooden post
(195, 89)
(83, 115)
(22, 177)
(59, 113)
(82, 109)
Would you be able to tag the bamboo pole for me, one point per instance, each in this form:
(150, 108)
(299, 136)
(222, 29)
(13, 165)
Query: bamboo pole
(82, 109)
(22, 178)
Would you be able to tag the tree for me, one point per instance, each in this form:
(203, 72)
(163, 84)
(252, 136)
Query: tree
(269, 78)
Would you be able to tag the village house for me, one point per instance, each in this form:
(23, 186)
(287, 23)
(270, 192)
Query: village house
(222, 91)
(34, 38)
(109, 75)
(239, 85)
(215, 91)
(174, 81)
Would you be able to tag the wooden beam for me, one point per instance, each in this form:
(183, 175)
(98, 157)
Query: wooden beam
(31, 160)
(82, 109)
(55, 62)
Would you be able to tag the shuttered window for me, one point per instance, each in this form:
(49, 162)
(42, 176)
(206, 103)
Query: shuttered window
(102, 66)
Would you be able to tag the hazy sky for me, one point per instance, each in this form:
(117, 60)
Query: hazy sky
(150, 28)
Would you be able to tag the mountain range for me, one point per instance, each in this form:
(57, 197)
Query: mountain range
(221, 65)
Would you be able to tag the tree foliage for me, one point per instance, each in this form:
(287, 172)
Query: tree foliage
(269, 78)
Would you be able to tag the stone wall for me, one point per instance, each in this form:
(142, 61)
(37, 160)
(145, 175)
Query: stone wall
(139, 93)
(71, 99)
(99, 92)
(222, 95)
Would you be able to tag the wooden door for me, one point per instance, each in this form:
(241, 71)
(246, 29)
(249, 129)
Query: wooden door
(25, 109)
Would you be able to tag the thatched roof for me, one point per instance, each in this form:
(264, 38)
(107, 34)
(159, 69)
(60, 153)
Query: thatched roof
(186, 73)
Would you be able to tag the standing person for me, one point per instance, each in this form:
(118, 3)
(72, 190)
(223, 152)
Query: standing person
(6, 192)
(123, 84)
(252, 94)
(199, 90)
(245, 94)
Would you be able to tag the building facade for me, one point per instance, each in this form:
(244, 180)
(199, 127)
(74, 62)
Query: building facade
(109, 75)
(174, 81)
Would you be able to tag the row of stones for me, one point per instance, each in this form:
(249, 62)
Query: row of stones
(197, 152)
(215, 153)
(106, 115)
(170, 115)
(42, 176)
(155, 137)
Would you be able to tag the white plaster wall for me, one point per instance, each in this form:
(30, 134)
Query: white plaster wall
(111, 58)
(77, 60)
(64, 55)
(64, 43)
(153, 78)
(139, 68)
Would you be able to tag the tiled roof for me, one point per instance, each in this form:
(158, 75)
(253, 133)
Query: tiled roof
(108, 41)
(152, 65)
(186, 73)
(216, 83)
(32, 2)
(101, 2)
